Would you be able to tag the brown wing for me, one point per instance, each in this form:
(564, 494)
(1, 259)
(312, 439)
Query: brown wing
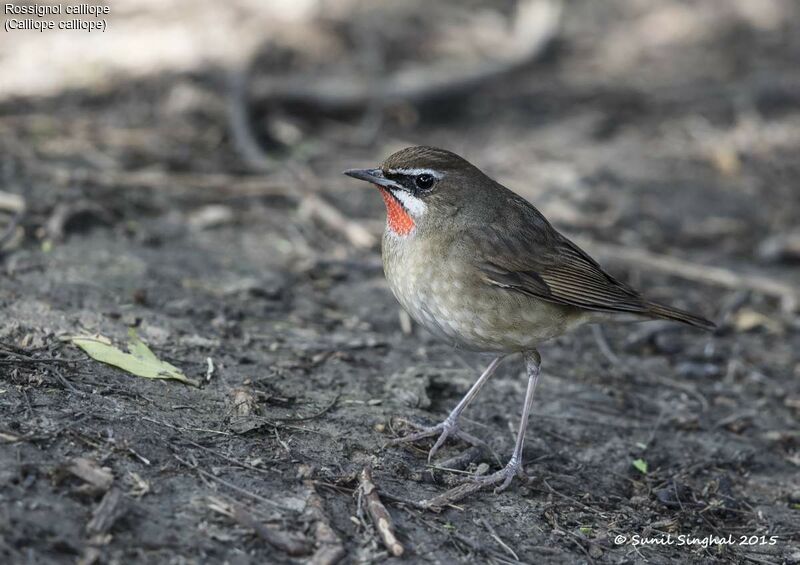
(540, 262)
(516, 248)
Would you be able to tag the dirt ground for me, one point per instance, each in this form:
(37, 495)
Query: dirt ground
(659, 126)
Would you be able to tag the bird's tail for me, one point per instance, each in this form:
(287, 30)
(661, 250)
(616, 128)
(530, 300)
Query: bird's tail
(669, 313)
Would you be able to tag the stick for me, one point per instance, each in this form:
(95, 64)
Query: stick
(498, 539)
(458, 492)
(231, 486)
(276, 539)
(785, 292)
(379, 514)
(313, 205)
(108, 511)
(455, 464)
(314, 416)
(330, 549)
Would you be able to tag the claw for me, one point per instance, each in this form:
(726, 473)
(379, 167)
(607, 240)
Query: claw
(504, 476)
(444, 429)
(424, 432)
(447, 428)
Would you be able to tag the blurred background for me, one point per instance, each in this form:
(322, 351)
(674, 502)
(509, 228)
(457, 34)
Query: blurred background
(181, 172)
(601, 115)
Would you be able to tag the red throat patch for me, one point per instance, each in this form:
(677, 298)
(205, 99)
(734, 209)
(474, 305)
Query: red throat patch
(397, 218)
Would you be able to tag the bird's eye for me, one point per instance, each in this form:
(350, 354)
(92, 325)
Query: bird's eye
(424, 181)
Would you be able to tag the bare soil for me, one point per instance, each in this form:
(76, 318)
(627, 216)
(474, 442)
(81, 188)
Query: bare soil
(140, 213)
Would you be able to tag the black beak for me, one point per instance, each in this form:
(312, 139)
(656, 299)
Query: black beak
(375, 176)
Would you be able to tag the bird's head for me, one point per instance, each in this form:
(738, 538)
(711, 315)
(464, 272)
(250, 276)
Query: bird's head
(422, 186)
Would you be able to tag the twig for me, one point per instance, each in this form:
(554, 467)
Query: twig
(65, 383)
(458, 492)
(498, 539)
(469, 541)
(42, 361)
(456, 464)
(109, 510)
(227, 458)
(720, 276)
(231, 486)
(330, 549)
(379, 514)
(185, 428)
(322, 412)
(570, 499)
(390, 497)
(276, 539)
(313, 205)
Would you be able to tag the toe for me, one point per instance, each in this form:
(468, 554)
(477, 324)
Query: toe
(506, 483)
(439, 443)
(415, 436)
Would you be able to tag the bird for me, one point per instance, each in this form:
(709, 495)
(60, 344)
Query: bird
(481, 268)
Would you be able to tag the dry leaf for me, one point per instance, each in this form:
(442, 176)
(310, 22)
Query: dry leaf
(141, 361)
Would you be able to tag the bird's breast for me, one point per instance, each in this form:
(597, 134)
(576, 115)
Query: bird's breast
(445, 294)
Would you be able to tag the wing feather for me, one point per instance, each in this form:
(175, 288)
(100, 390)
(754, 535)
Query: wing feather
(538, 261)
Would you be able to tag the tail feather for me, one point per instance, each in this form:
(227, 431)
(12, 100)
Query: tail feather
(670, 313)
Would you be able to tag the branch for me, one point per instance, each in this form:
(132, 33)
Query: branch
(379, 514)
(330, 549)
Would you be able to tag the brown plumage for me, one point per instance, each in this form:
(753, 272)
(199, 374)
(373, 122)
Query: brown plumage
(541, 262)
(481, 267)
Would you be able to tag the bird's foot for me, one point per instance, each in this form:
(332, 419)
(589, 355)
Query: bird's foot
(504, 476)
(473, 484)
(445, 429)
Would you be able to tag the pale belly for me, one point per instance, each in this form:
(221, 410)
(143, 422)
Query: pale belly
(449, 301)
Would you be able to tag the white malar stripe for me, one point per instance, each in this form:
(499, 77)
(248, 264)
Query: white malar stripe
(414, 205)
(414, 172)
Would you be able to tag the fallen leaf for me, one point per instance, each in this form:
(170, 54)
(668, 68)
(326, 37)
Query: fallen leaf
(640, 465)
(141, 361)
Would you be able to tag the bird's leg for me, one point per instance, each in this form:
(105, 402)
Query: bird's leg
(514, 466)
(450, 424)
